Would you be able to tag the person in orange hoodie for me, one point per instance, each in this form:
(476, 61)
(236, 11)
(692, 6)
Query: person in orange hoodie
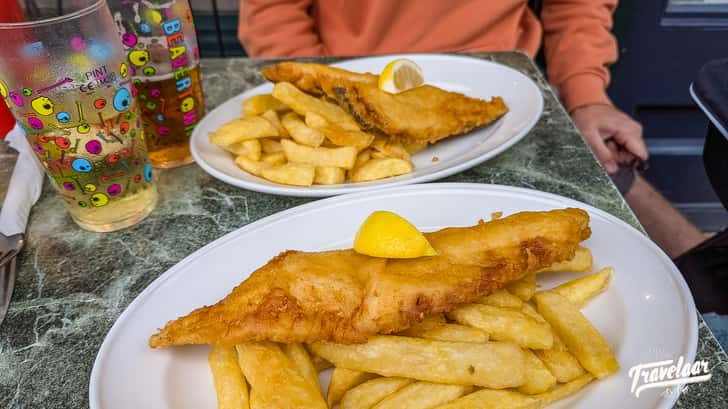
(578, 47)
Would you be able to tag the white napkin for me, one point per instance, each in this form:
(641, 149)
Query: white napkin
(25, 185)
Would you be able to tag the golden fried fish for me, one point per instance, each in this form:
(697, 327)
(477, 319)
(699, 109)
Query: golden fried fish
(421, 114)
(346, 297)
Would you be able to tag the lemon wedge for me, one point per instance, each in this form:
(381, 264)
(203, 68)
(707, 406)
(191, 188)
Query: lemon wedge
(400, 75)
(387, 234)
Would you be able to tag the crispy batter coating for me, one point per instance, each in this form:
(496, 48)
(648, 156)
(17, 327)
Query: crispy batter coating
(346, 297)
(421, 114)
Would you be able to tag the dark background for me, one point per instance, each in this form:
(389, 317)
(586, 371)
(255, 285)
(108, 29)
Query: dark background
(662, 45)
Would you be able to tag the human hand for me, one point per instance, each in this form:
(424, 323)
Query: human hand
(613, 136)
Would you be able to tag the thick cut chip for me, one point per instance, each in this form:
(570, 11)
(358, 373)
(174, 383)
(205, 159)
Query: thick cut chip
(447, 332)
(369, 393)
(302, 361)
(387, 148)
(430, 321)
(270, 146)
(243, 129)
(564, 366)
(531, 312)
(257, 401)
(582, 262)
(230, 385)
(316, 121)
(505, 324)
(493, 364)
(502, 298)
(579, 335)
(343, 157)
(339, 136)
(300, 132)
(523, 288)
(421, 395)
(362, 158)
(583, 289)
(329, 175)
(275, 158)
(295, 174)
(493, 399)
(342, 380)
(564, 390)
(250, 149)
(259, 104)
(273, 118)
(538, 377)
(438, 318)
(251, 166)
(375, 169)
(303, 103)
(272, 375)
(318, 362)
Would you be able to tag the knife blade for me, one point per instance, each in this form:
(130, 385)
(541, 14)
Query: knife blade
(23, 191)
(7, 285)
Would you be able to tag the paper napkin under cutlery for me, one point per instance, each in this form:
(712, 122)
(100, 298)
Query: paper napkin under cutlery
(25, 185)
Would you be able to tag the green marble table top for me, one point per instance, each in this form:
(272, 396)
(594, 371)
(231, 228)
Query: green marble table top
(72, 284)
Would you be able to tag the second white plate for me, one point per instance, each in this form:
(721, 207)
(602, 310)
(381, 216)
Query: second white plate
(470, 76)
(647, 313)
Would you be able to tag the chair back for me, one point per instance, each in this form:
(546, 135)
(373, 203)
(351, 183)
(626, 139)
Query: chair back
(710, 92)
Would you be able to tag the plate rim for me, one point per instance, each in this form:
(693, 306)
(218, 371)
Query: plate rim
(324, 191)
(692, 323)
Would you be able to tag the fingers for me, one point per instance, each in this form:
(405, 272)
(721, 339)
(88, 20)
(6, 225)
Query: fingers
(629, 135)
(622, 156)
(611, 134)
(601, 150)
(612, 123)
(613, 147)
(627, 158)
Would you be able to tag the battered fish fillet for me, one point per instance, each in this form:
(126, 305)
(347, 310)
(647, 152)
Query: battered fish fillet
(346, 297)
(421, 114)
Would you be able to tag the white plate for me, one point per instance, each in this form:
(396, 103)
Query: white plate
(470, 76)
(646, 315)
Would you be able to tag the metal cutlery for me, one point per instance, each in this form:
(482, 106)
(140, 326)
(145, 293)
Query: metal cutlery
(7, 284)
(23, 190)
(10, 247)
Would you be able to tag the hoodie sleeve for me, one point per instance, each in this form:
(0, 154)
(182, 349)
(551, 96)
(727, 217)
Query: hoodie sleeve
(278, 28)
(579, 47)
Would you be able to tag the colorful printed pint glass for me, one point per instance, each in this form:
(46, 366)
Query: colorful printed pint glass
(163, 58)
(63, 75)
